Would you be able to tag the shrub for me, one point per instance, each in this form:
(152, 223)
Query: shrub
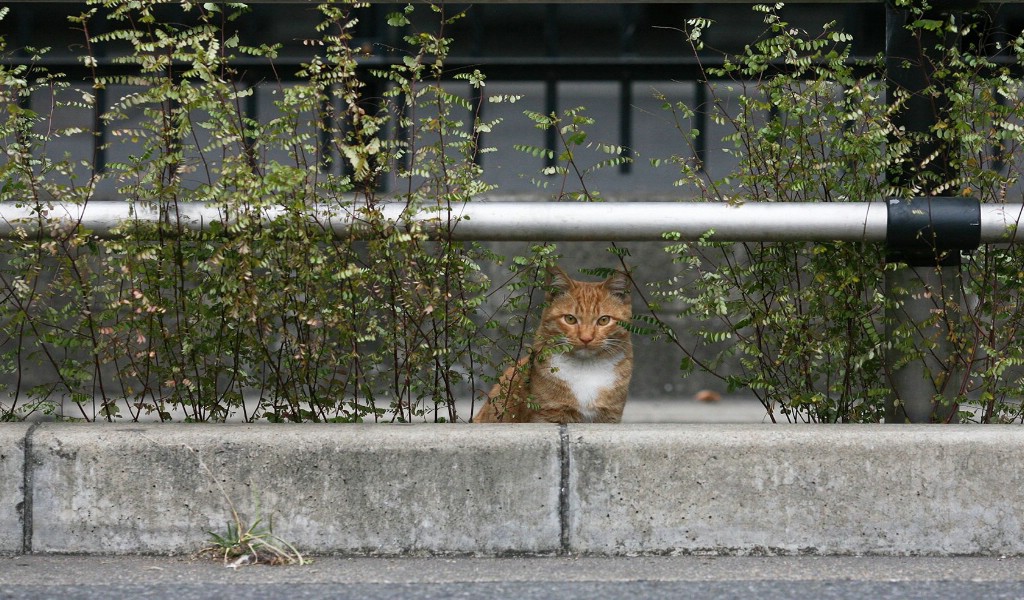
(808, 322)
(266, 314)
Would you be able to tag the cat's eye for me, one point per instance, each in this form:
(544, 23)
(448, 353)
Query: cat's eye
(604, 320)
(570, 319)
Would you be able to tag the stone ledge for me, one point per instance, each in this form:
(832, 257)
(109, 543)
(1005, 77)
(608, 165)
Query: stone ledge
(526, 489)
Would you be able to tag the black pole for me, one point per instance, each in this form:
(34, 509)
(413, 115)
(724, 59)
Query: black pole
(911, 54)
(925, 232)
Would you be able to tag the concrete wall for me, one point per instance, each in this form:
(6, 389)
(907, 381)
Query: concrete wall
(493, 490)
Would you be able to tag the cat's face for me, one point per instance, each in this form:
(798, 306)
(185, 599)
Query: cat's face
(586, 317)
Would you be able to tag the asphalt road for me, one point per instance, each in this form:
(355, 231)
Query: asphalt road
(826, 578)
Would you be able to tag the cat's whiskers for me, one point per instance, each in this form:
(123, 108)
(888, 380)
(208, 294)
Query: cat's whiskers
(613, 346)
(562, 341)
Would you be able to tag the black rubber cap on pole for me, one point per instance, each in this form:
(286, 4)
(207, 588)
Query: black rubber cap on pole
(932, 231)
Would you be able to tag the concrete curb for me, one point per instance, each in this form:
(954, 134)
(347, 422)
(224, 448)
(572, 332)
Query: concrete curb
(529, 489)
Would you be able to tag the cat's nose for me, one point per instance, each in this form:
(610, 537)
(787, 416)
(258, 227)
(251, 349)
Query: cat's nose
(586, 338)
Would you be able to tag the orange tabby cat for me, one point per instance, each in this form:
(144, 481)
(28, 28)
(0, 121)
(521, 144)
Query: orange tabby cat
(579, 367)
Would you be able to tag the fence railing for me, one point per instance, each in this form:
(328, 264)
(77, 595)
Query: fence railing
(622, 64)
(538, 221)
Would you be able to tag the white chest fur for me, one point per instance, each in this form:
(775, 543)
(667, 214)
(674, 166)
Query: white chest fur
(586, 377)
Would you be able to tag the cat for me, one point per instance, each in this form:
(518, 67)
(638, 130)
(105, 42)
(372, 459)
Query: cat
(581, 361)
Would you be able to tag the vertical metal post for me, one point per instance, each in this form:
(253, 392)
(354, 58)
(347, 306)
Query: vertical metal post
(551, 81)
(100, 139)
(100, 133)
(923, 389)
(476, 50)
(702, 122)
(627, 48)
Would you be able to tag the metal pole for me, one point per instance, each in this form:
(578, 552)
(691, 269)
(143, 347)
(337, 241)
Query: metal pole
(533, 221)
(924, 388)
(505, 221)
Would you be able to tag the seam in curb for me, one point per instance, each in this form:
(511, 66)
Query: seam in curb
(563, 490)
(26, 492)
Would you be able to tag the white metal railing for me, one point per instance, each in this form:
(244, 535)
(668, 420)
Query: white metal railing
(535, 221)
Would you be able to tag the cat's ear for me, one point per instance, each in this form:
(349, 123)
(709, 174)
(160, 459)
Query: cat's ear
(557, 283)
(619, 284)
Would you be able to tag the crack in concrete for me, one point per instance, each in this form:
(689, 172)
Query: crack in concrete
(563, 490)
(26, 491)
